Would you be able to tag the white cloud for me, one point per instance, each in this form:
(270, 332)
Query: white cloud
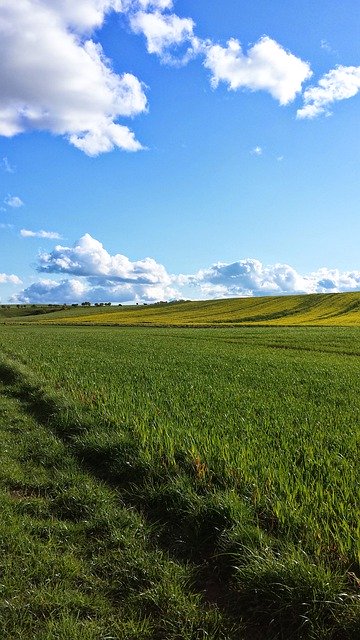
(52, 79)
(51, 235)
(340, 83)
(5, 225)
(77, 290)
(4, 278)
(13, 201)
(249, 277)
(55, 78)
(89, 272)
(267, 66)
(6, 166)
(332, 280)
(105, 138)
(326, 46)
(163, 31)
(256, 151)
(155, 4)
(89, 258)
(98, 276)
(84, 15)
(50, 291)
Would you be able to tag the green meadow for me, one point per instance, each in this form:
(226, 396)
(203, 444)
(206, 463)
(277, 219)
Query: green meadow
(169, 483)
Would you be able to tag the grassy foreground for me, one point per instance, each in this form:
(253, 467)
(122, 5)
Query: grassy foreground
(180, 484)
(337, 309)
(75, 563)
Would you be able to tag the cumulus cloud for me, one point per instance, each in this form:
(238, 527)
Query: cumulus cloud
(164, 31)
(88, 271)
(51, 235)
(89, 258)
(267, 66)
(13, 201)
(85, 15)
(12, 279)
(50, 291)
(249, 277)
(340, 83)
(77, 290)
(98, 276)
(105, 138)
(54, 79)
(333, 280)
(155, 4)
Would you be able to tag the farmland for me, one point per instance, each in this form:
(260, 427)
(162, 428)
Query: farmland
(225, 463)
(322, 309)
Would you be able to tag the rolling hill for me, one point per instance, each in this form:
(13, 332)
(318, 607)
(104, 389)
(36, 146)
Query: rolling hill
(330, 309)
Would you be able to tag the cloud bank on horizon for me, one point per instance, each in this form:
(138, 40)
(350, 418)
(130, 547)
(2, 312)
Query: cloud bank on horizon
(86, 271)
(66, 85)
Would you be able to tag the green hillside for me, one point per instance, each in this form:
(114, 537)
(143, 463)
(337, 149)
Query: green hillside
(27, 310)
(331, 309)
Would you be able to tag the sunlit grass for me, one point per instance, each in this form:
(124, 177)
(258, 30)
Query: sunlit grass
(240, 446)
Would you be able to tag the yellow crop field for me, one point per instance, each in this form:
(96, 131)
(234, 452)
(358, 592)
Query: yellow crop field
(337, 309)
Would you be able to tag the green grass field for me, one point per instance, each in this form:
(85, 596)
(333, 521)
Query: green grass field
(337, 309)
(224, 461)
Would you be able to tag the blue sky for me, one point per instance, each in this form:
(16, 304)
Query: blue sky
(158, 150)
